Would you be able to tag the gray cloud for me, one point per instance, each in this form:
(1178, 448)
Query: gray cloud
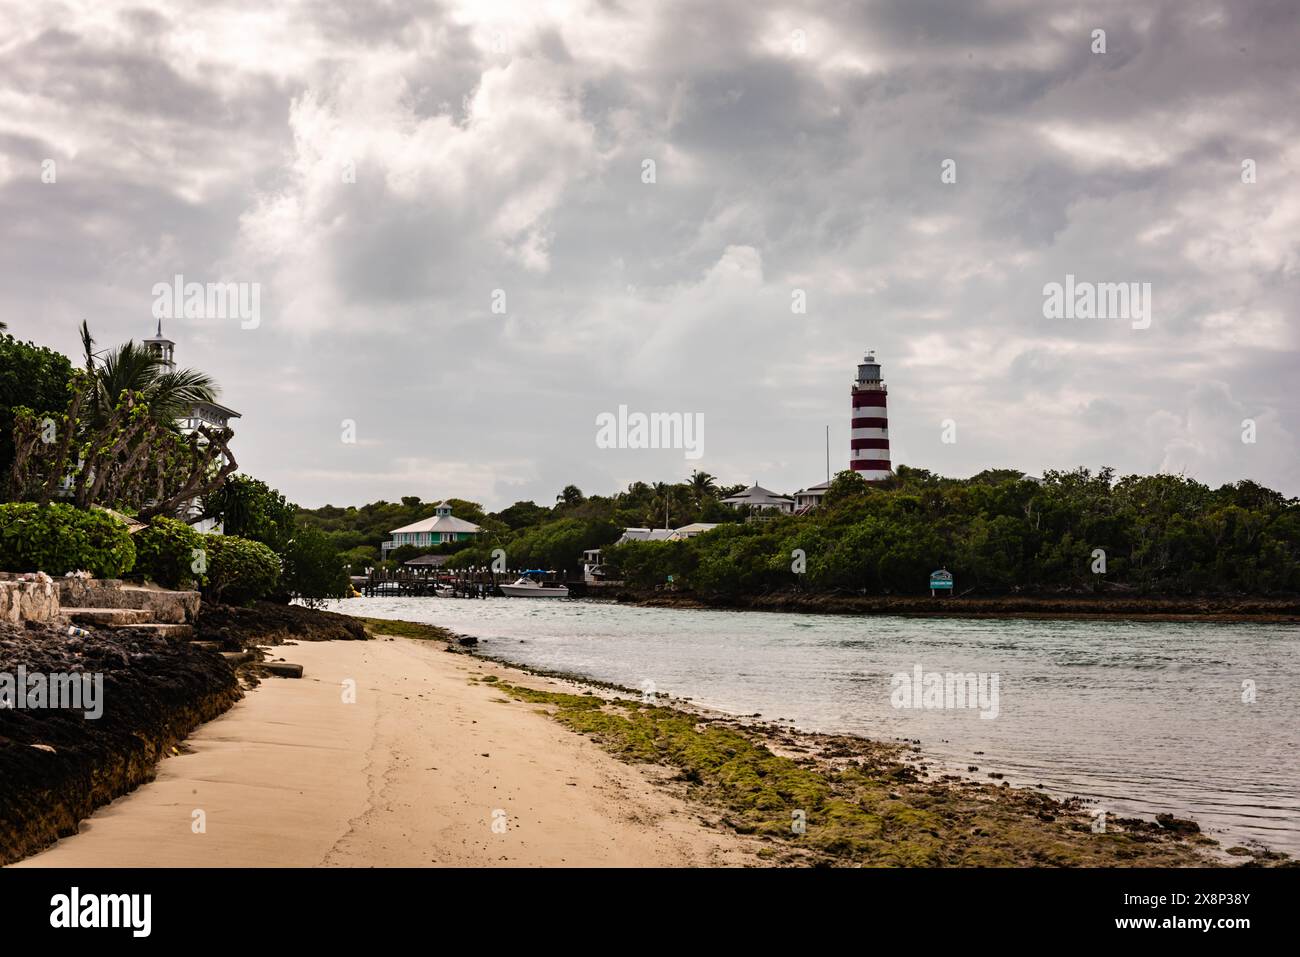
(505, 152)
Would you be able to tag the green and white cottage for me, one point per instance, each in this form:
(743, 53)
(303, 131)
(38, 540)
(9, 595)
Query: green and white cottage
(442, 527)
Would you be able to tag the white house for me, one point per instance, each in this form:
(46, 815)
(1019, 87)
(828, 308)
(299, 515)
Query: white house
(211, 414)
(761, 500)
(806, 499)
(441, 527)
(593, 571)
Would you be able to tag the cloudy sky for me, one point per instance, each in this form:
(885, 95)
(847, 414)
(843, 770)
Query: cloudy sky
(381, 175)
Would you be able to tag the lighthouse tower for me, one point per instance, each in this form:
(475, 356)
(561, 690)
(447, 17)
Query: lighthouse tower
(869, 430)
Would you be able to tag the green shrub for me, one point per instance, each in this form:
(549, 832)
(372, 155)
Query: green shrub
(58, 538)
(167, 552)
(313, 569)
(239, 570)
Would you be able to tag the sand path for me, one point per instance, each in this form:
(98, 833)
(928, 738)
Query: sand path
(414, 773)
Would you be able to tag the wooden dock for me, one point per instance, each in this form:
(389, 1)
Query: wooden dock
(456, 583)
(431, 583)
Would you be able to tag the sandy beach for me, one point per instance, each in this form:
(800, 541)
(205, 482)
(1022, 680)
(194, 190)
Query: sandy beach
(416, 772)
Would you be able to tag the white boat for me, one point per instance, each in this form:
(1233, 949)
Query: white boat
(525, 587)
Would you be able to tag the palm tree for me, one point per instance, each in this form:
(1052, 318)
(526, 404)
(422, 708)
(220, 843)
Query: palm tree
(703, 486)
(662, 498)
(132, 367)
(570, 495)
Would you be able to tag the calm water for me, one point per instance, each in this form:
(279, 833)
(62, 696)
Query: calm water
(1145, 717)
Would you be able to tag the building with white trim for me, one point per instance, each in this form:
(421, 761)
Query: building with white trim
(806, 499)
(440, 528)
(211, 414)
(761, 500)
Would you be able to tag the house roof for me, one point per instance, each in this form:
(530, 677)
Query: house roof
(757, 495)
(645, 535)
(438, 523)
(221, 409)
(159, 337)
(696, 527)
(820, 488)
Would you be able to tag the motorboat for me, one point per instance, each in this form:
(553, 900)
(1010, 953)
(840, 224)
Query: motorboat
(525, 587)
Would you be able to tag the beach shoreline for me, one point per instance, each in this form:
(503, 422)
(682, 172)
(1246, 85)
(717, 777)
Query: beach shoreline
(440, 746)
(423, 769)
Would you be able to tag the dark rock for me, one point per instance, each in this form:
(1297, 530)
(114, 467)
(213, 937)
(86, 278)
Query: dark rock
(267, 623)
(155, 692)
(1177, 825)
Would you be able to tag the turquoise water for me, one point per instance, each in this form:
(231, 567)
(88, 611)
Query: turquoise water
(1142, 717)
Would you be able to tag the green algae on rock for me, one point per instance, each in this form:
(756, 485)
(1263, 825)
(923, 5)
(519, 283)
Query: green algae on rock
(846, 801)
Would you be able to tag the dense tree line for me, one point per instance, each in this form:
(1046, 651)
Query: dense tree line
(999, 532)
(533, 535)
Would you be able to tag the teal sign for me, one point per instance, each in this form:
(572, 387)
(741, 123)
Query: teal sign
(941, 579)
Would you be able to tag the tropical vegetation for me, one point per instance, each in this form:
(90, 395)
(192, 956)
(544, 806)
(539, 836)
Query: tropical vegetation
(997, 532)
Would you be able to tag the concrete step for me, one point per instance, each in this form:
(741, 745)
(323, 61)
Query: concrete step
(164, 605)
(206, 645)
(283, 669)
(177, 607)
(108, 617)
(238, 657)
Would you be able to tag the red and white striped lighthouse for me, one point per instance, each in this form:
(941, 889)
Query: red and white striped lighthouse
(869, 430)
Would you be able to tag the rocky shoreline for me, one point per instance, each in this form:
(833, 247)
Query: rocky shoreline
(238, 628)
(1082, 607)
(58, 765)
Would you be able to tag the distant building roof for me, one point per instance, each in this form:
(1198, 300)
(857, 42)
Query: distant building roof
(159, 337)
(645, 535)
(438, 523)
(665, 534)
(695, 528)
(217, 407)
(757, 495)
(821, 488)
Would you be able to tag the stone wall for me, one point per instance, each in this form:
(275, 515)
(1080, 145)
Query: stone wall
(36, 599)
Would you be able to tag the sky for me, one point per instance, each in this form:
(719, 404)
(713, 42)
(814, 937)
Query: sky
(472, 229)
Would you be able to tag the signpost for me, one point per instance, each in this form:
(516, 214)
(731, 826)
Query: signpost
(941, 581)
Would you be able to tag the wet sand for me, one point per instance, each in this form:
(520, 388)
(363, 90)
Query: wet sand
(416, 772)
